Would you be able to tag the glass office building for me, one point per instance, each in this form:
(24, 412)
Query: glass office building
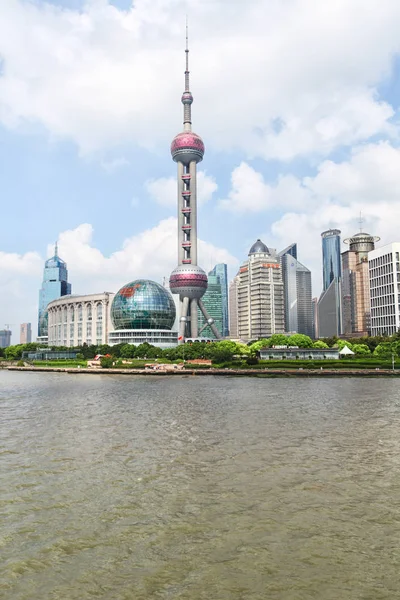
(297, 292)
(221, 271)
(212, 300)
(55, 284)
(331, 258)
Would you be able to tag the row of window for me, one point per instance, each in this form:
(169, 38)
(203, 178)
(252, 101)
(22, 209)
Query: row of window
(61, 314)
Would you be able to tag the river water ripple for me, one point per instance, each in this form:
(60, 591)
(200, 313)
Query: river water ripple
(134, 488)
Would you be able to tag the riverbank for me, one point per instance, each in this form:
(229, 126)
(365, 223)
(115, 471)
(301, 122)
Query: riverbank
(321, 372)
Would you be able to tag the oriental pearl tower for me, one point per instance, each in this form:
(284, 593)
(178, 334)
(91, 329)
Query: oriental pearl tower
(188, 279)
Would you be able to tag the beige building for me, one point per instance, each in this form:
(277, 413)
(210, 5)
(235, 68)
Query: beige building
(77, 320)
(356, 300)
(384, 277)
(25, 334)
(260, 298)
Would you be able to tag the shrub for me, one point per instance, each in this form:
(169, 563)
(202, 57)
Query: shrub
(252, 360)
(106, 362)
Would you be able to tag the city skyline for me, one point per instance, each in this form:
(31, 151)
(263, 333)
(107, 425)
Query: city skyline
(101, 181)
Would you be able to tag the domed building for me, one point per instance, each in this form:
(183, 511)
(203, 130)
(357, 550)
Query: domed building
(356, 295)
(143, 311)
(258, 309)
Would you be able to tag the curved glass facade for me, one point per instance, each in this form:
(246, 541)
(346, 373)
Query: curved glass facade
(331, 260)
(143, 304)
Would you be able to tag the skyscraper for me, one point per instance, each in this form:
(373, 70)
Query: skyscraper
(5, 338)
(260, 302)
(331, 263)
(356, 299)
(25, 336)
(330, 302)
(297, 292)
(221, 271)
(55, 284)
(212, 300)
(188, 279)
(233, 307)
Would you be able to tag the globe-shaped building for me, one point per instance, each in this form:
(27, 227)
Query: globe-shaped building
(143, 304)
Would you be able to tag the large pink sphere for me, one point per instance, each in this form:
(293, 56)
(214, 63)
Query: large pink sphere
(188, 280)
(187, 146)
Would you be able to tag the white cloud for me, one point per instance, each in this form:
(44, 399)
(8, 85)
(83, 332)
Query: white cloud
(368, 183)
(250, 193)
(113, 165)
(274, 79)
(164, 189)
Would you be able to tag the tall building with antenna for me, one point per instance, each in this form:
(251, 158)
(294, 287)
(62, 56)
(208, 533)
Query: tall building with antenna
(356, 298)
(188, 279)
(55, 284)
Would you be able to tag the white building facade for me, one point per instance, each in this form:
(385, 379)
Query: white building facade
(384, 281)
(77, 320)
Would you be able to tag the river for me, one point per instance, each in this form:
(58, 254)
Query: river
(136, 488)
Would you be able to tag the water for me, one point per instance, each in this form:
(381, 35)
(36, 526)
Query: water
(134, 488)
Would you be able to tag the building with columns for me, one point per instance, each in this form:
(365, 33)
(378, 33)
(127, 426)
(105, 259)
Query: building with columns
(233, 308)
(77, 320)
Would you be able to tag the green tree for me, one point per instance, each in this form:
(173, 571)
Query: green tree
(320, 344)
(300, 340)
(342, 343)
(221, 355)
(128, 351)
(361, 349)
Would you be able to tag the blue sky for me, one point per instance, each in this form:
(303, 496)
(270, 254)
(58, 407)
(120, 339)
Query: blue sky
(298, 108)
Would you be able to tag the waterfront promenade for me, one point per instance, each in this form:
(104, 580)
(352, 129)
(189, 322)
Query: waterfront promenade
(299, 372)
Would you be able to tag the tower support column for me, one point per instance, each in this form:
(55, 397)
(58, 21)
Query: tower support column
(194, 325)
(180, 213)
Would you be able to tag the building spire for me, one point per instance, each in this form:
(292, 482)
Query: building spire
(361, 221)
(56, 249)
(187, 97)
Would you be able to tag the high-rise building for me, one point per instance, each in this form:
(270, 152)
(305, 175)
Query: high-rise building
(188, 279)
(260, 294)
(233, 307)
(329, 317)
(356, 300)
(5, 338)
(330, 302)
(297, 292)
(212, 300)
(55, 284)
(221, 271)
(25, 336)
(384, 278)
(331, 263)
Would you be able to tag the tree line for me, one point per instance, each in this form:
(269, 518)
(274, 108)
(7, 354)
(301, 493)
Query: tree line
(219, 351)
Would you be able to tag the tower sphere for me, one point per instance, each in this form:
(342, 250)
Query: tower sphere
(186, 147)
(187, 98)
(143, 304)
(188, 280)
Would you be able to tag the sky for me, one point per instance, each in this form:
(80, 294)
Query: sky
(297, 102)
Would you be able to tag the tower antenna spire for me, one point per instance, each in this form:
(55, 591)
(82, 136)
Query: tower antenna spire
(187, 97)
(56, 249)
(361, 221)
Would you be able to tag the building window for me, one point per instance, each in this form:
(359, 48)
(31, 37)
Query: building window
(99, 312)
(89, 330)
(99, 329)
(71, 331)
(79, 330)
(72, 314)
(80, 312)
(89, 312)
